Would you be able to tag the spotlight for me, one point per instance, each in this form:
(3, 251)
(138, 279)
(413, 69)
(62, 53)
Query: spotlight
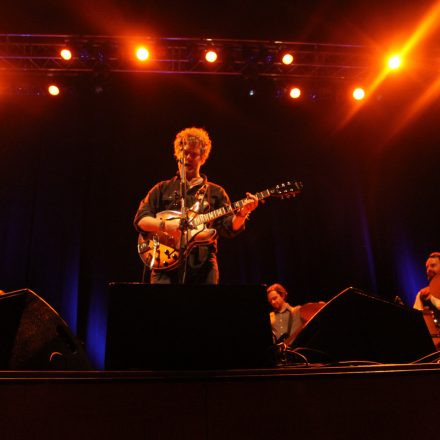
(142, 53)
(53, 90)
(211, 56)
(295, 92)
(358, 93)
(66, 54)
(287, 59)
(394, 62)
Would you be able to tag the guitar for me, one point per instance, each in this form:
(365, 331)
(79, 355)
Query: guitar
(161, 251)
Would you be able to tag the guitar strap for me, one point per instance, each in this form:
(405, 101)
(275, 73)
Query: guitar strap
(199, 197)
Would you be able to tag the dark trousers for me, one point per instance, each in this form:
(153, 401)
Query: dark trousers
(206, 274)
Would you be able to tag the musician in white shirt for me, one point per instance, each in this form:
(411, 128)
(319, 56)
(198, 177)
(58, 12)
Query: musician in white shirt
(426, 297)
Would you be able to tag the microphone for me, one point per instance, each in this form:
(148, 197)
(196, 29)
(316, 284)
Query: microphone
(182, 144)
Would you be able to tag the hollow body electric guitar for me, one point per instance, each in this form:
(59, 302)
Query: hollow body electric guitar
(161, 251)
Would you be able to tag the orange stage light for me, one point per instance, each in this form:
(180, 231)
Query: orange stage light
(142, 53)
(287, 59)
(211, 56)
(53, 90)
(295, 92)
(394, 62)
(66, 54)
(358, 93)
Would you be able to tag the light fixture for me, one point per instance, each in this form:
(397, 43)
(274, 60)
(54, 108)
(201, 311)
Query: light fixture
(394, 62)
(211, 56)
(295, 92)
(142, 53)
(287, 59)
(358, 93)
(66, 54)
(53, 90)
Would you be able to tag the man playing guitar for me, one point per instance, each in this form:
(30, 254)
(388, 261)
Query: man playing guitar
(177, 250)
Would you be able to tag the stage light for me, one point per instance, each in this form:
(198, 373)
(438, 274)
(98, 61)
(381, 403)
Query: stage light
(394, 62)
(358, 93)
(53, 90)
(142, 53)
(211, 56)
(66, 54)
(287, 59)
(295, 92)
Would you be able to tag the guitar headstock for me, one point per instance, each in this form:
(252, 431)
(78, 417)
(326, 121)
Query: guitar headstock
(286, 190)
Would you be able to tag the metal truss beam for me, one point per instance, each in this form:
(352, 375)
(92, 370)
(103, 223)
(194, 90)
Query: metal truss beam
(39, 55)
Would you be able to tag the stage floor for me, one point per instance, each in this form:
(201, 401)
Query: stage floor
(349, 402)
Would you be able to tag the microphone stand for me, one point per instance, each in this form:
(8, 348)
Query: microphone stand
(184, 218)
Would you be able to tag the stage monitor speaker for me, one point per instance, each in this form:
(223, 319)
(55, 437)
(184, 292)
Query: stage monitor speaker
(175, 327)
(34, 337)
(355, 326)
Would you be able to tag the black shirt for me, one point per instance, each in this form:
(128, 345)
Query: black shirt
(164, 196)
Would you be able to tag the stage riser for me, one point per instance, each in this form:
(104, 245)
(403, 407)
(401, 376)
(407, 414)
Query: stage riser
(332, 406)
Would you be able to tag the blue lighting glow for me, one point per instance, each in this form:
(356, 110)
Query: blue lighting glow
(97, 328)
(410, 274)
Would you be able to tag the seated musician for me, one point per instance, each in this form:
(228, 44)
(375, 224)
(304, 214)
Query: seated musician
(285, 319)
(288, 321)
(191, 150)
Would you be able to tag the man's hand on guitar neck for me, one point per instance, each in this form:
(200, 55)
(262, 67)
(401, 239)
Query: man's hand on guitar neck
(242, 214)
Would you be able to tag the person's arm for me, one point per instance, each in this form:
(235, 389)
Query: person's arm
(154, 224)
(422, 295)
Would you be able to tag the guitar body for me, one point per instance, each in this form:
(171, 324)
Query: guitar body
(161, 251)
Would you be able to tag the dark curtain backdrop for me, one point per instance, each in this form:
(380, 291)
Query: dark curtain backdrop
(74, 169)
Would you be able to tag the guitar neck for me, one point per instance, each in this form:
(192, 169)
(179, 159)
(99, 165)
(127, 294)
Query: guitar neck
(228, 209)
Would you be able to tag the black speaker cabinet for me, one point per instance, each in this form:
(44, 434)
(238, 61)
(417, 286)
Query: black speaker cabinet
(172, 327)
(34, 337)
(355, 326)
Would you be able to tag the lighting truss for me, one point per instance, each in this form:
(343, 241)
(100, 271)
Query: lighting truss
(40, 55)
